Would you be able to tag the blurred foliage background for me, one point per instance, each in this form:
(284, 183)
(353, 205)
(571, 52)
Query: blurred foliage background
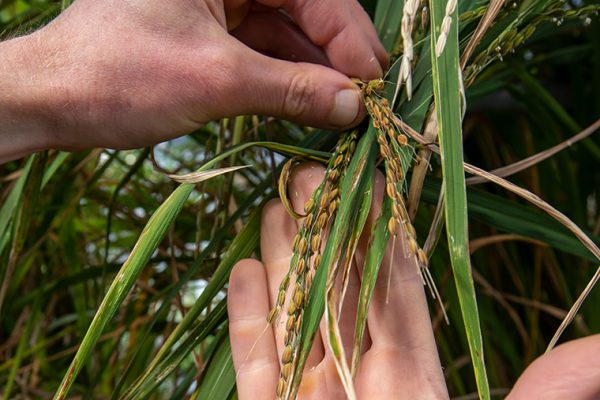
(68, 221)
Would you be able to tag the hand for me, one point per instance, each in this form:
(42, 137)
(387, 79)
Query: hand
(126, 74)
(570, 371)
(400, 359)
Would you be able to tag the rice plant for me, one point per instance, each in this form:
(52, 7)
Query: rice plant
(114, 264)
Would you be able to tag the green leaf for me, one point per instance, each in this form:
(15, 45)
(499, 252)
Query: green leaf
(149, 239)
(388, 16)
(219, 381)
(378, 241)
(9, 205)
(447, 93)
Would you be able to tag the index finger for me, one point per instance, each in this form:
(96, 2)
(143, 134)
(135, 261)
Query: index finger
(332, 25)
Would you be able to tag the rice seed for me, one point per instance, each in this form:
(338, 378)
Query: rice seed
(396, 210)
(315, 243)
(333, 194)
(317, 261)
(333, 206)
(412, 245)
(308, 220)
(333, 175)
(281, 385)
(445, 29)
(322, 220)
(402, 139)
(323, 201)
(393, 226)
(391, 191)
(422, 257)
(292, 308)
(385, 151)
(410, 229)
(300, 267)
(281, 297)
(290, 324)
(308, 207)
(273, 315)
(302, 246)
(286, 371)
(409, 13)
(298, 297)
(287, 355)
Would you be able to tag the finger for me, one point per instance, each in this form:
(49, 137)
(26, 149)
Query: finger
(304, 180)
(272, 33)
(572, 371)
(348, 314)
(330, 25)
(363, 19)
(398, 317)
(235, 12)
(383, 375)
(252, 341)
(301, 92)
(278, 230)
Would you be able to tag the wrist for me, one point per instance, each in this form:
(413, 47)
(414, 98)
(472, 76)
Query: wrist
(26, 100)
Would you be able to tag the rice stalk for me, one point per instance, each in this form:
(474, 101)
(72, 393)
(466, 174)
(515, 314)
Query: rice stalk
(391, 139)
(409, 13)
(521, 29)
(306, 257)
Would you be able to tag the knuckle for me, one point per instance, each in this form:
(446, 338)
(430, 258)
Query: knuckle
(300, 96)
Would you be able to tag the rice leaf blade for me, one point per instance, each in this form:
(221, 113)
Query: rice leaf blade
(447, 87)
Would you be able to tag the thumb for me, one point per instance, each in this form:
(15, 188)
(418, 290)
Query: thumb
(571, 371)
(304, 93)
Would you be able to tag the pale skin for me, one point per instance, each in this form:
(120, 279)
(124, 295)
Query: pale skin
(131, 73)
(400, 358)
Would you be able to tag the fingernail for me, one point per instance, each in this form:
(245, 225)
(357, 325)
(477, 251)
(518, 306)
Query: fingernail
(347, 102)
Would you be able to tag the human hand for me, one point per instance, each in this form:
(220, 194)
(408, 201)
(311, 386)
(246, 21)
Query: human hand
(125, 74)
(570, 371)
(400, 359)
